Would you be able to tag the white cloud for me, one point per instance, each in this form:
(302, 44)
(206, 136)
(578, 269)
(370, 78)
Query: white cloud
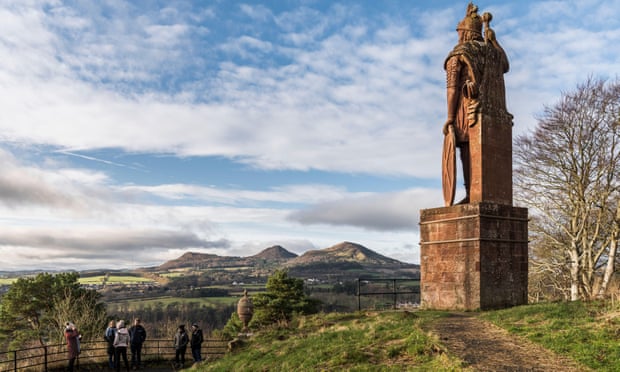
(382, 212)
(68, 190)
(280, 194)
(61, 216)
(334, 90)
(345, 104)
(256, 12)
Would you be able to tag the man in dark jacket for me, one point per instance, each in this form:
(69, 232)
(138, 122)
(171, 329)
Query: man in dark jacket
(137, 334)
(196, 342)
(180, 346)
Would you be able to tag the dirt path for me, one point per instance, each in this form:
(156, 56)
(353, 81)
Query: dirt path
(486, 347)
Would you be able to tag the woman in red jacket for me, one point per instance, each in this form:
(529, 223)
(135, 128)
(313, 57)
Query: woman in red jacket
(73, 343)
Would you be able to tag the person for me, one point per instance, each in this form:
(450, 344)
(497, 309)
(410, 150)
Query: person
(474, 77)
(121, 341)
(72, 335)
(181, 339)
(137, 334)
(109, 335)
(196, 342)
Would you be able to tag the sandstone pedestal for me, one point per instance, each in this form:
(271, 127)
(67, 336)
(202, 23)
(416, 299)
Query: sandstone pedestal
(474, 256)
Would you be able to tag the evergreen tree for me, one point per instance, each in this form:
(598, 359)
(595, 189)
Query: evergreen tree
(284, 296)
(36, 309)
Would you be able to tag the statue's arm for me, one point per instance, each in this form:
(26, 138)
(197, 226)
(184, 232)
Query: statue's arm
(490, 37)
(452, 76)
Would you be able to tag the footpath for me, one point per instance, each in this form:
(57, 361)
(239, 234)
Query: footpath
(486, 347)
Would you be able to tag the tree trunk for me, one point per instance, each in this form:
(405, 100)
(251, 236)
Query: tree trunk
(574, 275)
(611, 259)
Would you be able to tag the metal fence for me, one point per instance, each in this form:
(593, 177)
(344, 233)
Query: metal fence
(54, 357)
(392, 289)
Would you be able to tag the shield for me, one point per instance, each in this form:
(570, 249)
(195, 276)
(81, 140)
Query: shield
(448, 167)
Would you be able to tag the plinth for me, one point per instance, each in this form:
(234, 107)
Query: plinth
(474, 256)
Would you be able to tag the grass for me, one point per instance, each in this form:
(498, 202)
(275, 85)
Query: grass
(361, 341)
(587, 332)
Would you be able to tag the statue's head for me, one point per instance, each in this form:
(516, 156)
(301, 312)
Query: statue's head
(470, 28)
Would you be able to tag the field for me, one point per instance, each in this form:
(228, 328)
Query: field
(137, 304)
(112, 279)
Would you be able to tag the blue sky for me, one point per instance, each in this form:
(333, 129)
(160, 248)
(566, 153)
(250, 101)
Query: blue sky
(134, 131)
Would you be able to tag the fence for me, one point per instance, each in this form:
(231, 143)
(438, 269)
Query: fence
(51, 357)
(395, 291)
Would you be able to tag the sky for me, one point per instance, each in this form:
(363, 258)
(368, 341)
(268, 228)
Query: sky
(134, 131)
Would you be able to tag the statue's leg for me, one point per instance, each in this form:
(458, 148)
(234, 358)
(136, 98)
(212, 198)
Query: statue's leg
(466, 161)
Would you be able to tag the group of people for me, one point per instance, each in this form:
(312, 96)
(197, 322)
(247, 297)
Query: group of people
(119, 339)
(181, 339)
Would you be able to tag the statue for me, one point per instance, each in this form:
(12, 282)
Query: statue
(475, 86)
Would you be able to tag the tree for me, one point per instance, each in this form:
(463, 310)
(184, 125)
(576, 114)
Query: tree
(568, 174)
(283, 297)
(36, 308)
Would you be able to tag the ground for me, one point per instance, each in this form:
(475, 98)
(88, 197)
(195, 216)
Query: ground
(486, 347)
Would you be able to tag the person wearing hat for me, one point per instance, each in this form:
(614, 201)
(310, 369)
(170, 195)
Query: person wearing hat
(181, 339)
(121, 341)
(196, 342)
(73, 343)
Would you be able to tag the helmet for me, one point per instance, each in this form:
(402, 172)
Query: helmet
(472, 21)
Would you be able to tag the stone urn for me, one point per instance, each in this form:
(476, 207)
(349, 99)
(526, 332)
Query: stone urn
(245, 310)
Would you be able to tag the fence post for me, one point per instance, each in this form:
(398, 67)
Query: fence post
(15, 360)
(45, 357)
(359, 295)
(394, 289)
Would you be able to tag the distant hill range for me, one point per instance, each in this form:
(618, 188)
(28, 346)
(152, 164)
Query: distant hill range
(345, 260)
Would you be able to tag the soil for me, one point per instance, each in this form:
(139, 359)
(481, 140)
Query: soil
(485, 347)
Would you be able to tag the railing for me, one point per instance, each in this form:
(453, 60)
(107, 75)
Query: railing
(53, 357)
(395, 292)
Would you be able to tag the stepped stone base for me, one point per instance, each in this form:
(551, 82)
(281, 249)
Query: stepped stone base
(473, 256)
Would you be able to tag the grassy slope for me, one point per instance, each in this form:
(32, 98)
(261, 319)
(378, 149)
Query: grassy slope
(587, 332)
(394, 341)
(387, 341)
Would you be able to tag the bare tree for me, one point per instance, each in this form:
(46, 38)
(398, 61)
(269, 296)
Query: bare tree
(81, 308)
(568, 174)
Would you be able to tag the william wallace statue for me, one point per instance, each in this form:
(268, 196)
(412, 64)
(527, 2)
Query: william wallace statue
(475, 85)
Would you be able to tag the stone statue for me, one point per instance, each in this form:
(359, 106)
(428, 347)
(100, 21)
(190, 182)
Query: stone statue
(475, 85)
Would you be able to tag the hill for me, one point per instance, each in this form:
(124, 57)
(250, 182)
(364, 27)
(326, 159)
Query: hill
(575, 336)
(275, 253)
(342, 261)
(201, 261)
(348, 260)
(369, 341)
(344, 252)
